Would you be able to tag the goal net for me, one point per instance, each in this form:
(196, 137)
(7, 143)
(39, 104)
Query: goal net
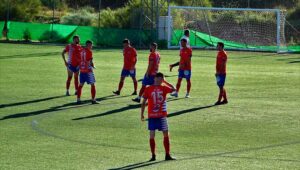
(237, 28)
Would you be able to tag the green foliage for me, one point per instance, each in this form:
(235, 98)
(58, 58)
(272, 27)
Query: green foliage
(20, 10)
(83, 17)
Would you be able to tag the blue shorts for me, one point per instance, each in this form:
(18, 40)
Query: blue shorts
(126, 73)
(160, 124)
(185, 74)
(89, 78)
(221, 79)
(73, 69)
(148, 80)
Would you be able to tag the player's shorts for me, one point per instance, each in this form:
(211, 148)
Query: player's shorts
(148, 80)
(89, 78)
(221, 79)
(160, 124)
(73, 69)
(185, 74)
(126, 73)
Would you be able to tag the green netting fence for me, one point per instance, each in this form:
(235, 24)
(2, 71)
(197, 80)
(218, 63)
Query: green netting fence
(204, 40)
(109, 37)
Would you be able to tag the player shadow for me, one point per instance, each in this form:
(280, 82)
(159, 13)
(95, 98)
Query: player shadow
(110, 97)
(122, 109)
(38, 112)
(31, 101)
(188, 110)
(293, 62)
(137, 165)
(29, 55)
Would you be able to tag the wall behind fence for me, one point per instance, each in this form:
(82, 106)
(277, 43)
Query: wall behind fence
(108, 37)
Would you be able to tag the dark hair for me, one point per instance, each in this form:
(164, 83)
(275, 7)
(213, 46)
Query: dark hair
(183, 39)
(159, 74)
(186, 32)
(126, 41)
(154, 44)
(89, 42)
(221, 44)
(75, 36)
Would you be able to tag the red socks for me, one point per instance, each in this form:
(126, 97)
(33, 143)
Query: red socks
(142, 90)
(189, 84)
(152, 146)
(68, 83)
(178, 85)
(121, 85)
(93, 91)
(76, 81)
(135, 84)
(167, 145)
(79, 91)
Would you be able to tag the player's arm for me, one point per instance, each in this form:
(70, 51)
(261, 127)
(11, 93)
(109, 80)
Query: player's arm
(63, 56)
(150, 65)
(169, 85)
(143, 106)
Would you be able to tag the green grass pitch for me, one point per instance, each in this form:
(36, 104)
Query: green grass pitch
(40, 128)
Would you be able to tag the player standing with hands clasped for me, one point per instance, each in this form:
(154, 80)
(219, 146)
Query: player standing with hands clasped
(130, 59)
(157, 112)
(86, 71)
(221, 73)
(185, 68)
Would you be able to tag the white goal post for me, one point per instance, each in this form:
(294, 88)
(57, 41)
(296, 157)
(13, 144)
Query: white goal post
(239, 28)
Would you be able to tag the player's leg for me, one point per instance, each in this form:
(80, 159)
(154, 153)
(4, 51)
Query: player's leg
(178, 84)
(152, 145)
(93, 93)
(148, 80)
(188, 87)
(135, 85)
(76, 81)
(79, 91)
(121, 83)
(68, 82)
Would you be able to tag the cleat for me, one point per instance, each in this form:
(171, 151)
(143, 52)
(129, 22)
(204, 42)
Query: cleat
(138, 100)
(78, 102)
(175, 94)
(170, 66)
(116, 92)
(67, 93)
(224, 102)
(169, 158)
(218, 103)
(134, 93)
(95, 102)
(187, 95)
(153, 158)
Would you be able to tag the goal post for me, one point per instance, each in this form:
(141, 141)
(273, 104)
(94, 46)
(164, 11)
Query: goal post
(238, 28)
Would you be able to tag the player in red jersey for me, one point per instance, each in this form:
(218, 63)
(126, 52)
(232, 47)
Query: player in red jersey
(157, 112)
(72, 64)
(153, 66)
(221, 73)
(130, 59)
(185, 68)
(86, 71)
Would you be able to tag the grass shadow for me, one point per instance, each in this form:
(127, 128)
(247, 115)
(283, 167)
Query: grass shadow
(188, 110)
(29, 55)
(31, 101)
(137, 165)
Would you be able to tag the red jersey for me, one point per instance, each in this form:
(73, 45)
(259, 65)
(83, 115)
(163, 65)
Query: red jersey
(157, 105)
(130, 59)
(86, 61)
(221, 62)
(185, 59)
(155, 58)
(74, 51)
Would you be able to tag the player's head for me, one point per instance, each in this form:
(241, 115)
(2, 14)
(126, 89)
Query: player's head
(126, 43)
(153, 47)
(159, 78)
(76, 39)
(187, 33)
(89, 44)
(220, 46)
(183, 42)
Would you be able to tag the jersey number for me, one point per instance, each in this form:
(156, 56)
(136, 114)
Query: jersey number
(157, 100)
